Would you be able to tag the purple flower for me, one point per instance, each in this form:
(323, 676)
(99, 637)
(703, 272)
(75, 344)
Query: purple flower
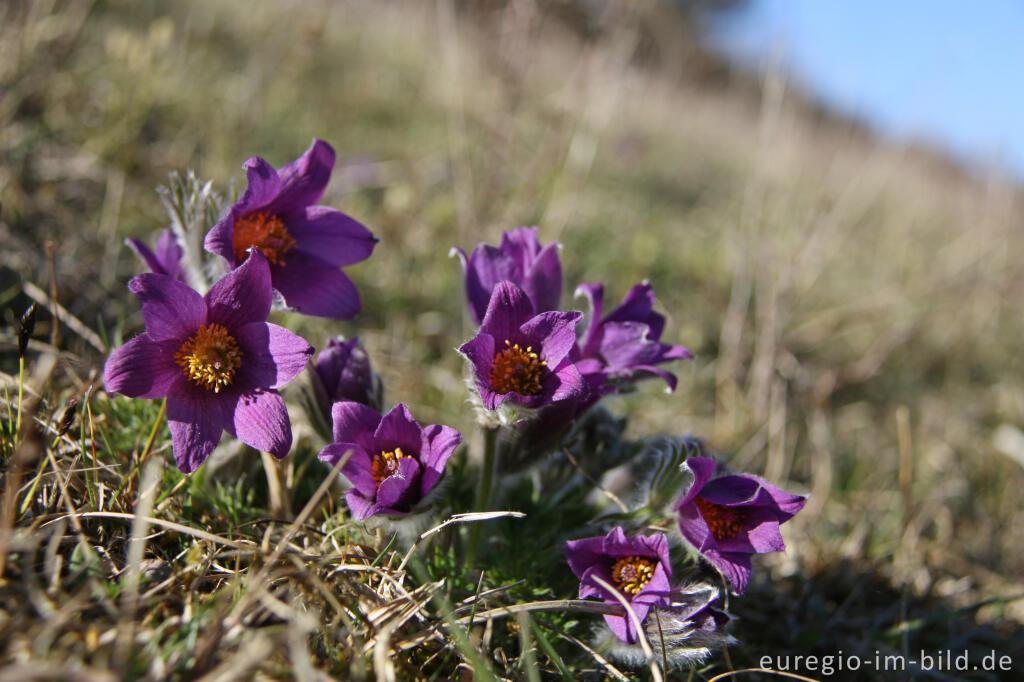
(683, 633)
(523, 357)
(343, 369)
(215, 358)
(395, 462)
(637, 567)
(521, 260)
(166, 260)
(733, 516)
(304, 244)
(624, 344)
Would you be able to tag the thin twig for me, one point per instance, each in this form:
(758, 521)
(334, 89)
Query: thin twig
(612, 496)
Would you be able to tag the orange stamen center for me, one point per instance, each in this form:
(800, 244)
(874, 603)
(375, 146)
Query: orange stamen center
(264, 232)
(385, 464)
(210, 357)
(517, 369)
(631, 574)
(725, 522)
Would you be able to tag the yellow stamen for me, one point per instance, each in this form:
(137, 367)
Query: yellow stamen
(517, 369)
(725, 522)
(264, 231)
(631, 574)
(210, 357)
(385, 465)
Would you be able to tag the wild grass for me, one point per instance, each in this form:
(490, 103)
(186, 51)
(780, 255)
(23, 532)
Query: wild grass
(854, 307)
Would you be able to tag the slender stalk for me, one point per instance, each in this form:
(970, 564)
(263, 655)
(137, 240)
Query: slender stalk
(483, 491)
(21, 396)
(152, 434)
(279, 489)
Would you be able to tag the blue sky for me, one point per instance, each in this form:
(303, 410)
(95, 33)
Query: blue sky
(951, 73)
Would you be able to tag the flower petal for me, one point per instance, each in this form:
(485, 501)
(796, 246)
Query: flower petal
(544, 279)
(172, 310)
(398, 429)
(142, 368)
(703, 468)
(330, 235)
(694, 528)
(243, 295)
(594, 293)
(169, 254)
(271, 355)
(304, 180)
(261, 420)
(555, 332)
(220, 239)
(485, 268)
(508, 310)
(439, 442)
(361, 507)
(399, 491)
(621, 627)
(313, 287)
(357, 469)
(762, 535)
(355, 423)
(565, 384)
(480, 352)
(638, 306)
(264, 185)
(196, 421)
(734, 565)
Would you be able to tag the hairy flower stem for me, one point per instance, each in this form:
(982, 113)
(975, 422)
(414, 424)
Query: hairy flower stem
(483, 491)
(279, 488)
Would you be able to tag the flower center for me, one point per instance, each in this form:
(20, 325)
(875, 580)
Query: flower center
(725, 522)
(631, 574)
(210, 357)
(517, 369)
(385, 464)
(265, 232)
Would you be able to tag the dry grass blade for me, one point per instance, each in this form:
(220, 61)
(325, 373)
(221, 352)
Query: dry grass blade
(640, 634)
(244, 662)
(468, 517)
(169, 525)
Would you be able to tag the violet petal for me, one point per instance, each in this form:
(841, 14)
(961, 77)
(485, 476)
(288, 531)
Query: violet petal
(331, 236)
(261, 421)
(243, 295)
(172, 310)
(142, 368)
(303, 181)
(313, 287)
(271, 355)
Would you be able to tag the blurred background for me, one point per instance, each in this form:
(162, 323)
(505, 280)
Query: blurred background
(825, 196)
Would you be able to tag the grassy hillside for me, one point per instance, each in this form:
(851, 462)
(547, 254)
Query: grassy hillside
(855, 310)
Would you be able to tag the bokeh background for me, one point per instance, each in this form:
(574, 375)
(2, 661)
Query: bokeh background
(851, 286)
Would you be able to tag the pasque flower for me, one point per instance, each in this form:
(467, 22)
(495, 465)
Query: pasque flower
(343, 369)
(625, 345)
(166, 260)
(215, 358)
(731, 517)
(683, 634)
(395, 462)
(519, 259)
(305, 244)
(637, 567)
(521, 356)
